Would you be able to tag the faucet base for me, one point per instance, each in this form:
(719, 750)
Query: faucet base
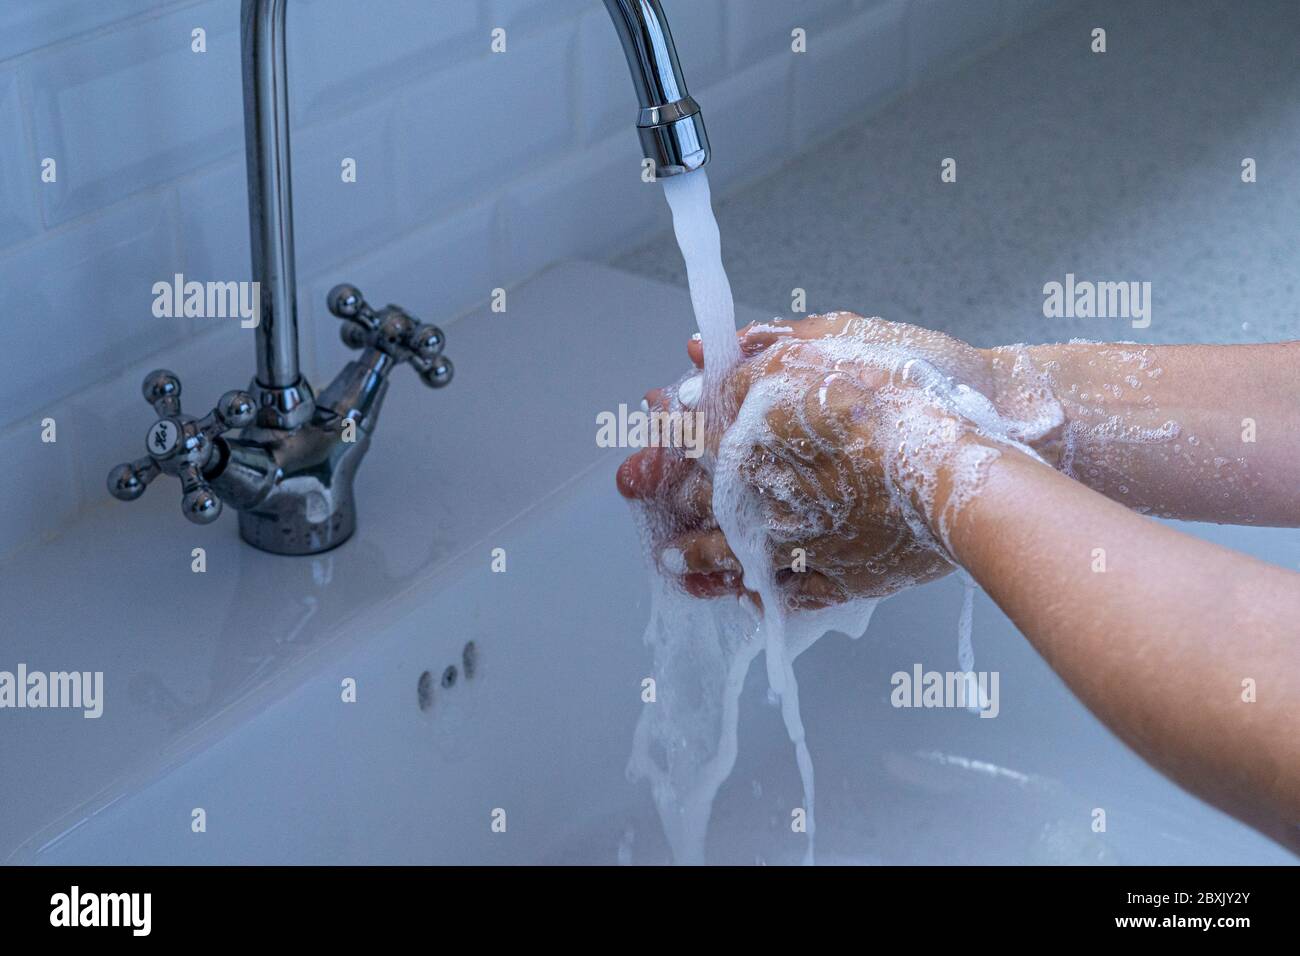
(300, 532)
(294, 490)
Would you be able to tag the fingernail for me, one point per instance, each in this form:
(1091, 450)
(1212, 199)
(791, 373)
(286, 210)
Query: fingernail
(672, 560)
(696, 337)
(688, 393)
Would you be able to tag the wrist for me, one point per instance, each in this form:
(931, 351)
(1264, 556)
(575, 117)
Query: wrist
(958, 480)
(933, 465)
(1025, 393)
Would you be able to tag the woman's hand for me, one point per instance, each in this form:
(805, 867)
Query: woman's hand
(851, 432)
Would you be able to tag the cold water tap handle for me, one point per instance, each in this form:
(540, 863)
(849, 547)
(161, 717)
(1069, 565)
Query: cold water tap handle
(393, 331)
(181, 445)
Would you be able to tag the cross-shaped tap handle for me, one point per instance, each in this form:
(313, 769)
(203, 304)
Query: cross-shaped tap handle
(393, 331)
(181, 445)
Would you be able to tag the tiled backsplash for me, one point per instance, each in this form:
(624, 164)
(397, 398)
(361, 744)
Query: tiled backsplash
(147, 140)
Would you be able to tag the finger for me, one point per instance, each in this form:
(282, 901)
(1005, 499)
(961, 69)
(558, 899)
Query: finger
(649, 472)
(712, 585)
(655, 400)
(696, 494)
(808, 590)
(816, 590)
(700, 552)
(757, 336)
(753, 338)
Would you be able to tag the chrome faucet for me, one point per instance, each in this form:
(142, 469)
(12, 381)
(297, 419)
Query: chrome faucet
(289, 472)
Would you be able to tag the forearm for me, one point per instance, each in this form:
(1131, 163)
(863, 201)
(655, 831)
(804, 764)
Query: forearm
(1205, 433)
(1156, 633)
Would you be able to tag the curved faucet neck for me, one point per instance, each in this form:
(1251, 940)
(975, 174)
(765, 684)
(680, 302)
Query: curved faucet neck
(670, 126)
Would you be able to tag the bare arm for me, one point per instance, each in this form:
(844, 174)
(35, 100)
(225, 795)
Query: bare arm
(1201, 432)
(1157, 645)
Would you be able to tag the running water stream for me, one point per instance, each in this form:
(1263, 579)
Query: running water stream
(737, 514)
(701, 244)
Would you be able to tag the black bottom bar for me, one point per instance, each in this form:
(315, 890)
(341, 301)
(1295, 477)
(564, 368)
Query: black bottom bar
(303, 904)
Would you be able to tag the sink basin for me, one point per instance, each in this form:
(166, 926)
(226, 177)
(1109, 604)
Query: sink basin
(494, 711)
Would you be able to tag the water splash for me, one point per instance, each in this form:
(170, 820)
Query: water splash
(965, 648)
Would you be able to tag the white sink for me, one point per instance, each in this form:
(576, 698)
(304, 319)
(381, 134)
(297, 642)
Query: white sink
(223, 690)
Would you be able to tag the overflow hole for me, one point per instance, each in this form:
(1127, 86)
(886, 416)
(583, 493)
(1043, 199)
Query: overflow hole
(424, 691)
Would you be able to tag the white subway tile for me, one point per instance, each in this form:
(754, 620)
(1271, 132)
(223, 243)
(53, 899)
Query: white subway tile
(136, 108)
(343, 53)
(471, 129)
(214, 223)
(80, 304)
(436, 274)
(758, 29)
(587, 206)
(699, 31)
(36, 24)
(334, 219)
(748, 118)
(19, 178)
(43, 492)
(605, 99)
(522, 15)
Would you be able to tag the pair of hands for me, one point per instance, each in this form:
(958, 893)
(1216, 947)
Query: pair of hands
(853, 448)
(864, 440)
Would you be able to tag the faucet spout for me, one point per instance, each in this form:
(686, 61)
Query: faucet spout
(670, 127)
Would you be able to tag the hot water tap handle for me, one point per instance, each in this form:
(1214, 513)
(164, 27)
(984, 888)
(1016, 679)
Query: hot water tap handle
(393, 331)
(181, 445)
